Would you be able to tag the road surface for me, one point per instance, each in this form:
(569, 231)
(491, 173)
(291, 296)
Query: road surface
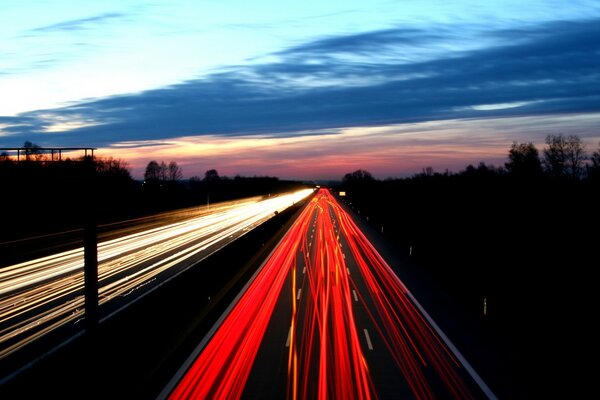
(41, 295)
(325, 317)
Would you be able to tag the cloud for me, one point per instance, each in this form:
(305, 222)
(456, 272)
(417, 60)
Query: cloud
(78, 24)
(140, 145)
(354, 80)
(366, 42)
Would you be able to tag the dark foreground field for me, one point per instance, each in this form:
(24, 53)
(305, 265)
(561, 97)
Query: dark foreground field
(136, 352)
(504, 267)
(516, 257)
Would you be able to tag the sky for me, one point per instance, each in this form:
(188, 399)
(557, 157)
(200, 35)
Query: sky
(301, 90)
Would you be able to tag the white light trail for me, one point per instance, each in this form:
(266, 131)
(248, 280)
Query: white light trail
(39, 295)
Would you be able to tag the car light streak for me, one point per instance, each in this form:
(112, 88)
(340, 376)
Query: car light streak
(327, 335)
(223, 367)
(326, 349)
(39, 295)
(409, 338)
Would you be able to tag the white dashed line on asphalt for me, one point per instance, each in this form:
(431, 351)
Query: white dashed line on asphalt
(369, 344)
(287, 342)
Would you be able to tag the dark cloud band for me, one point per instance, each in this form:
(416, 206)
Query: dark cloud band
(352, 80)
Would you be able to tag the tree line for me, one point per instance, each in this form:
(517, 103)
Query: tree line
(519, 240)
(564, 157)
(162, 173)
(41, 195)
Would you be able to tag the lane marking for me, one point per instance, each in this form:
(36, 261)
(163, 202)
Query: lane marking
(299, 292)
(303, 270)
(287, 342)
(482, 385)
(355, 296)
(348, 269)
(369, 344)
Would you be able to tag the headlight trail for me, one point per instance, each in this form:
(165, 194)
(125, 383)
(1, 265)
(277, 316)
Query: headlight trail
(39, 295)
(327, 281)
(223, 367)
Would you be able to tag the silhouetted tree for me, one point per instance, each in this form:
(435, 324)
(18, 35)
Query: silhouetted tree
(153, 172)
(524, 160)
(358, 176)
(428, 171)
(163, 172)
(32, 150)
(564, 156)
(576, 156)
(174, 171)
(596, 157)
(594, 166)
(113, 168)
(211, 176)
(482, 171)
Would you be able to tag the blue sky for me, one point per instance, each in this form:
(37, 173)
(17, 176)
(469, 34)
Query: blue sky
(250, 85)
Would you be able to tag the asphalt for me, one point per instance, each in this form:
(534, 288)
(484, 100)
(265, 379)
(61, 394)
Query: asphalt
(135, 353)
(268, 378)
(490, 353)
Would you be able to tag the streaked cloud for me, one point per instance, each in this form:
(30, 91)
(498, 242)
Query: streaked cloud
(61, 123)
(79, 24)
(392, 99)
(550, 68)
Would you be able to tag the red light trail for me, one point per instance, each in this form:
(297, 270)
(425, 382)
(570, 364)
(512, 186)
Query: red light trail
(223, 367)
(327, 354)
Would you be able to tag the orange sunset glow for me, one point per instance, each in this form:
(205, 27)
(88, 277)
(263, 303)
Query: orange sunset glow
(397, 150)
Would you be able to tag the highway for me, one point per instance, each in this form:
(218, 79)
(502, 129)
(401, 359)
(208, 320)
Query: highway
(326, 317)
(40, 295)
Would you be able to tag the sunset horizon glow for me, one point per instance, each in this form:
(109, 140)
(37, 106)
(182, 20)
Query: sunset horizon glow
(394, 151)
(306, 92)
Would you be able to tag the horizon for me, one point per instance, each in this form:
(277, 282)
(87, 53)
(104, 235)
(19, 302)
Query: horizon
(303, 92)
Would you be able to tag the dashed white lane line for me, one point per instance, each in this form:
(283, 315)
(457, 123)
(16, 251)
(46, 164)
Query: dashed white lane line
(355, 296)
(369, 344)
(287, 342)
(299, 292)
(482, 385)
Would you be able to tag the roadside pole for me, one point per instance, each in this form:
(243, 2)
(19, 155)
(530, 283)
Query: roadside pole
(90, 245)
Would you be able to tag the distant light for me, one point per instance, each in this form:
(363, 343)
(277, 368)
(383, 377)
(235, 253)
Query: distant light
(485, 306)
(342, 194)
